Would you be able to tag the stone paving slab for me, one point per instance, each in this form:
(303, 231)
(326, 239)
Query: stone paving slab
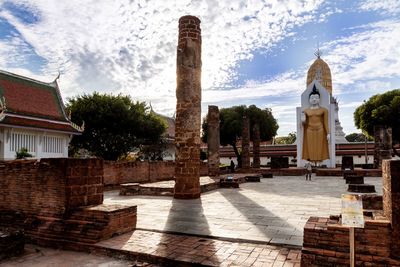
(183, 250)
(272, 211)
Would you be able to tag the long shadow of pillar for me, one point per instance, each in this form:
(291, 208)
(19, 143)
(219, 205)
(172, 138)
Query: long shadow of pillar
(186, 220)
(255, 212)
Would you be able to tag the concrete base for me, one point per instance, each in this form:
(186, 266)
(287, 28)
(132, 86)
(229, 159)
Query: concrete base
(354, 179)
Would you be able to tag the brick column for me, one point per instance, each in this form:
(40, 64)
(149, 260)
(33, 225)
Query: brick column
(246, 143)
(256, 146)
(391, 201)
(383, 145)
(213, 140)
(188, 109)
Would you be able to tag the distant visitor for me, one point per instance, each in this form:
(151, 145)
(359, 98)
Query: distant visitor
(232, 166)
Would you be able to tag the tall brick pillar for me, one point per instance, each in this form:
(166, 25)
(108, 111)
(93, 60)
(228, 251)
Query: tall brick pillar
(213, 140)
(383, 144)
(256, 146)
(188, 109)
(391, 201)
(246, 143)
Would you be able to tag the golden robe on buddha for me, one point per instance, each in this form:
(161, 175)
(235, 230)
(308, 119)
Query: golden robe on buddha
(315, 143)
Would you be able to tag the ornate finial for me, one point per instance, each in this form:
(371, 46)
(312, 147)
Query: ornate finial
(3, 106)
(58, 77)
(314, 91)
(318, 53)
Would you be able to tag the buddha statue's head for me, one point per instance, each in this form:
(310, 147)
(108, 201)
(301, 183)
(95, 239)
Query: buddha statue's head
(314, 96)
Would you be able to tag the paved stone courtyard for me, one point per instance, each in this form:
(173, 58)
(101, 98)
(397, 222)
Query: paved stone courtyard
(274, 210)
(259, 224)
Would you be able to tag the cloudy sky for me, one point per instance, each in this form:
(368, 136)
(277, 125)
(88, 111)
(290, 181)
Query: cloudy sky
(254, 52)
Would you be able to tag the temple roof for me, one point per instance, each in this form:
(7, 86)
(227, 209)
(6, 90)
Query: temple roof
(170, 131)
(320, 71)
(32, 104)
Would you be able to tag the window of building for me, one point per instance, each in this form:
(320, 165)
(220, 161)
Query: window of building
(52, 144)
(20, 140)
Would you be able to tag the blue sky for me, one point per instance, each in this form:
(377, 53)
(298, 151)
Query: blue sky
(254, 52)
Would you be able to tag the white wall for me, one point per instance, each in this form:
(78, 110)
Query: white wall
(40, 144)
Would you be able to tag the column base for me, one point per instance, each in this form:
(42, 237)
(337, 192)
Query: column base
(187, 195)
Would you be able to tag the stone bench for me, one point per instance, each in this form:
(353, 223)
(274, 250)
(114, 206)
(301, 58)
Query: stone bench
(267, 175)
(229, 182)
(253, 178)
(354, 179)
(348, 173)
(361, 188)
(129, 189)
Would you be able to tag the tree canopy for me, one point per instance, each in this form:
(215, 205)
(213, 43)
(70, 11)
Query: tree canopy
(231, 121)
(286, 140)
(357, 137)
(381, 109)
(114, 125)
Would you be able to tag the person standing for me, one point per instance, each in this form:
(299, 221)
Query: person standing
(232, 166)
(309, 171)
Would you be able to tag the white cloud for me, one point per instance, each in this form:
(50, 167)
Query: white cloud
(129, 46)
(359, 63)
(365, 58)
(386, 6)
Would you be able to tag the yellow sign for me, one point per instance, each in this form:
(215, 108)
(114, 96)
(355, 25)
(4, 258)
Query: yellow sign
(352, 211)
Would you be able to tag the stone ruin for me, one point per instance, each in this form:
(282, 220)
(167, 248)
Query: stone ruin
(59, 202)
(213, 137)
(326, 241)
(383, 145)
(188, 109)
(246, 144)
(256, 146)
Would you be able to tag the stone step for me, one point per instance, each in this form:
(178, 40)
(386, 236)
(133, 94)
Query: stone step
(361, 188)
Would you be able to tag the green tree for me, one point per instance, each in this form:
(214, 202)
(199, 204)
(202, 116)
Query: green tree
(381, 109)
(286, 140)
(357, 137)
(231, 120)
(114, 125)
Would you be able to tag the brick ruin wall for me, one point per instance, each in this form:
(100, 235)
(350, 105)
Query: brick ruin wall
(116, 173)
(59, 200)
(326, 241)
(50, 187)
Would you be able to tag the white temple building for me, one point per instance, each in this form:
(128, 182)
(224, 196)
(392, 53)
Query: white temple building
(33, 116)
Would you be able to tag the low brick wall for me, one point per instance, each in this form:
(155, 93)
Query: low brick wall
(58, 200)
(116, 173)
(50, 187)
(326, 243)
